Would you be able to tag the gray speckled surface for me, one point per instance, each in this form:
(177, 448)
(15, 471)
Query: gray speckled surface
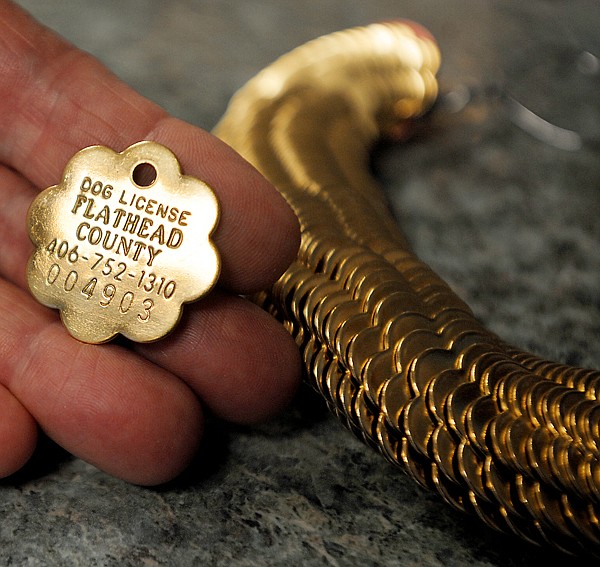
(510, 222)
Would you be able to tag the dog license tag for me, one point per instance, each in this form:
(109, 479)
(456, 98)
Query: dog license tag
(122, 242)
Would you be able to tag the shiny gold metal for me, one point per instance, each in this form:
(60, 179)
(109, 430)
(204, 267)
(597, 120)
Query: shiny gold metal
(122, 242)
(399, 358)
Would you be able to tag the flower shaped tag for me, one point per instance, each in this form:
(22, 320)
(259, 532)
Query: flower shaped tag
(122, 243)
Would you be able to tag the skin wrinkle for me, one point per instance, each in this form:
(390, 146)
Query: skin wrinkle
(22, 78)
(57, 100)
(13, 213)
(41, 352)
(49, 91)
(15, 31)
(27, 310)
(18, 433)
(91, 407)
(31, 350)
(37, 110)
(134, 109)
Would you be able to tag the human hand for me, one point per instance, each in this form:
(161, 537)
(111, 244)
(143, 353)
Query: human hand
(132, 411)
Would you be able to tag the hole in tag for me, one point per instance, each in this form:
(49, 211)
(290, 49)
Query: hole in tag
(144, 174)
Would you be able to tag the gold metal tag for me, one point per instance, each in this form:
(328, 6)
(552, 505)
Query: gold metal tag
(122, 243)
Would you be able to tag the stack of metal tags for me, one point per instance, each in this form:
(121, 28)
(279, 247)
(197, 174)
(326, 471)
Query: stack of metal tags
(400, 359)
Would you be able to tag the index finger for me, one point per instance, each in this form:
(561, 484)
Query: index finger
(55, 100)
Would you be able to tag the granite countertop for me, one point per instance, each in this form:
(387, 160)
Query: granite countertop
(511, 222)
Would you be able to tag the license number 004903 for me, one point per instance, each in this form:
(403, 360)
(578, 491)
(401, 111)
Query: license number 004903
(70, 282)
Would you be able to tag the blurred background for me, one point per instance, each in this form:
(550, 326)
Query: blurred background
(499, 192)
